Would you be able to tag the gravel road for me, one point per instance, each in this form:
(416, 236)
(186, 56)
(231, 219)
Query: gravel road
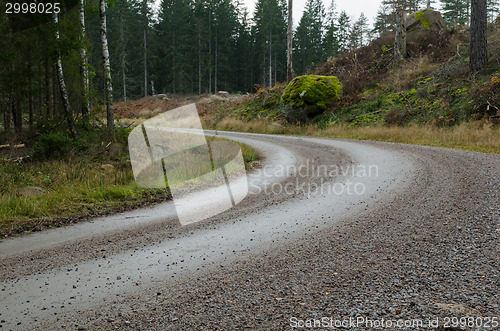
(368, 234)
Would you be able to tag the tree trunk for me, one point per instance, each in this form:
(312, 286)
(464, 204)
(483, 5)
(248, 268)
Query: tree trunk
(62, 85)
(403, 34)
(84, 73)
(40, 89)
(428, 4)
(216, 58)
(17, 113)
(478, 37)
(30, 92)
(289, 70)
(145, 4)
(145, 64)
(55, 82)
(270, 58)
(6, 116)
(107, 70)
(210, 50)
(123, 55)
(400, 37)
(264, 72)
(199, 58)
(47, 89)
(2, 110)
(16, 109)
(397, 39)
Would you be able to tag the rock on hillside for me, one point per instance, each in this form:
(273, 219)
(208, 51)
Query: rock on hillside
(425, 20)
(308, 96)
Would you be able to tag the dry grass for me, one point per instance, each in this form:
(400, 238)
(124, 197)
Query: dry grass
(405, 76)
(258, 126)
(467, 136)
(479, 136)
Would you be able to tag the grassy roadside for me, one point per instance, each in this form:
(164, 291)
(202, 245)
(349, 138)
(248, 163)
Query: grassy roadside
(41, 194)
(477, 136)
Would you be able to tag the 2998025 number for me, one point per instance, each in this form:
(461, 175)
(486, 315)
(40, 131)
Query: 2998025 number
(32, 8)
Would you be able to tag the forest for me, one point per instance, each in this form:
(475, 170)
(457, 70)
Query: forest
(53, 70)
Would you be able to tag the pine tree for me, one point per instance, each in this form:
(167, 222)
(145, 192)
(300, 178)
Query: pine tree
(359, 32)
(269, 33)
(330, 41)
(309, 36)
(244, 49)
(384, 21)
(455, 12)
(493, 10)
(174, 43)
(344, 28)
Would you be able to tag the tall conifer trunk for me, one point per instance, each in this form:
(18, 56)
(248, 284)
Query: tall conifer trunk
(478, 37)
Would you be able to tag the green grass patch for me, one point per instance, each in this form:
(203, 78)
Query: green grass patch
(48, 192)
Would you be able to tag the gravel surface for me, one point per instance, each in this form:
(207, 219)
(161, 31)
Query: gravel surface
(429, 251)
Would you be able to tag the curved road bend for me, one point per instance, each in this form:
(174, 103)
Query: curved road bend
(389, 231)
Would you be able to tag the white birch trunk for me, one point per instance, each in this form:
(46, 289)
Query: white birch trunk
(107, 70)
(84, 64)
(62, 84)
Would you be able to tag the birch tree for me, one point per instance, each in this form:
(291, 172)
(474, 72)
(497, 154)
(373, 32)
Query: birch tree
(62, 84)
(107, 70)
(84, 67)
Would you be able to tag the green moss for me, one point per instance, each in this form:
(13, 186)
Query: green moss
(419, 15)
(307, 96)
(426, 23)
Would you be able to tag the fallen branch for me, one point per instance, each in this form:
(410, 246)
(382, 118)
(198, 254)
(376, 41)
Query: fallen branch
(15, 146)
(490, 105)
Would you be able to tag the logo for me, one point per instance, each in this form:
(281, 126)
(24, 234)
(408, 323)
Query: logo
(206, 176)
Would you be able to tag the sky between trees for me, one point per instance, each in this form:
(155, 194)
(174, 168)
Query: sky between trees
(354, 8)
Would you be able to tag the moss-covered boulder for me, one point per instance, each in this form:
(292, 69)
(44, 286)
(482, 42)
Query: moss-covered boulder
(425, 20)
(308, 96)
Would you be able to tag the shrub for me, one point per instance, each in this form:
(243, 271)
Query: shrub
(52, 145)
